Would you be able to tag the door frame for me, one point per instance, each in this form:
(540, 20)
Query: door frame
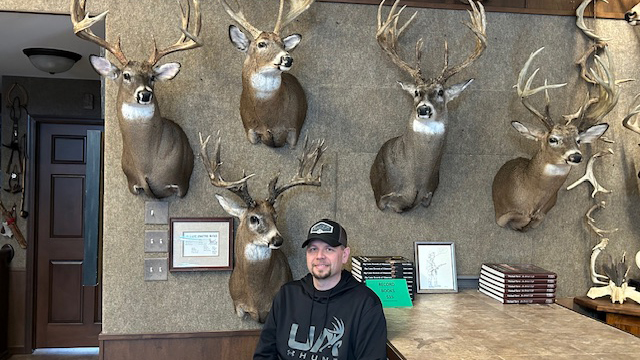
(31, 182)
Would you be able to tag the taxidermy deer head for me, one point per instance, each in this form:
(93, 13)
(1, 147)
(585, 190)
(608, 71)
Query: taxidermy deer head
(156, 156)
(273, 105)
(405, 172)
(524, 190)
(260, 268)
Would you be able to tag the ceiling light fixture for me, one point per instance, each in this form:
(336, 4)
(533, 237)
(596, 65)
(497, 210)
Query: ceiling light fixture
(52, 61)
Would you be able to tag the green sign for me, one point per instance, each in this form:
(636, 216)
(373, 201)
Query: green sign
(392, 292)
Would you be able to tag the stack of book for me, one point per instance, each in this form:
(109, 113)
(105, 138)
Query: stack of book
(384, 267)
(518, 283)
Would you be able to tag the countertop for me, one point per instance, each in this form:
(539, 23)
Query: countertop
(470, 325)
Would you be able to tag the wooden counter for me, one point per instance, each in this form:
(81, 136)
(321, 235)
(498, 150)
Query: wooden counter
(624, 316)
(470, 325)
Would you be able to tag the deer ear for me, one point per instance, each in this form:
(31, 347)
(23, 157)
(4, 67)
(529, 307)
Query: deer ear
(593, 133)
(238, 38)
(534, 134)
(232, 208)
(455, 90)
(104, 67)
(291, 41)
(167, 71)
(410, 88)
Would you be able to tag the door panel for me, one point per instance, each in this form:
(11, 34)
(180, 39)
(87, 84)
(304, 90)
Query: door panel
(67, 314)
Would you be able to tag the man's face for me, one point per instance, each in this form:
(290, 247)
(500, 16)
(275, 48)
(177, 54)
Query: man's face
(325, 261)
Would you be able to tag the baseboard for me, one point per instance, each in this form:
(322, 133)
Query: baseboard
(232, 345)
(4, 355)
(467, 282)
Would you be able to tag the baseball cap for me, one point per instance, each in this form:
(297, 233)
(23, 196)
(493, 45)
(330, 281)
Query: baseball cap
(328, 231)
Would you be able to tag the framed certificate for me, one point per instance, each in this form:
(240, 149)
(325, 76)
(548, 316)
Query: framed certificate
(201, 244)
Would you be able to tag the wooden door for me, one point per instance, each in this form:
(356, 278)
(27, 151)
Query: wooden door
(67, 314)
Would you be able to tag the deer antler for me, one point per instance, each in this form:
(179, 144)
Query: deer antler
(307, 164)
(82, 23)
(626, 122)
(591, 222)
(582, 26)
(595, 251)
(182, 43)
(478, 26)
(524, 91)
(387, 36)
(297, 8)
(238, 16)
(590, 177)
(238, 187)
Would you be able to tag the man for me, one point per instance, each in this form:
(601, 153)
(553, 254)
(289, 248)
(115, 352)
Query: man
(326, 315)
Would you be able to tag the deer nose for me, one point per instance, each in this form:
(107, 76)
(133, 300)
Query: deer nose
(575, 158)
(144, 97)
(627, 16)
(286, 61)
(424, 110)
(276, 242)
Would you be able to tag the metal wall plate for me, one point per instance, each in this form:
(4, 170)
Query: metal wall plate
(156, 269)
(156, 212)
(156, 241)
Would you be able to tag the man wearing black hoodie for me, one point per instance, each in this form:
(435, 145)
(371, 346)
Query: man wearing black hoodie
(326, 315)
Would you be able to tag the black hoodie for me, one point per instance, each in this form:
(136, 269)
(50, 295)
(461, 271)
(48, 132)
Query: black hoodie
(344, 323)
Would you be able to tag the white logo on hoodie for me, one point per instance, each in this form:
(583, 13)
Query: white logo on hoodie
(329, 338)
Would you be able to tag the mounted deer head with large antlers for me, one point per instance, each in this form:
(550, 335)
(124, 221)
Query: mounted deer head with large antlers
(156, 155)
(524, 190)
(273, 105)
(260, 268)
(406, 170)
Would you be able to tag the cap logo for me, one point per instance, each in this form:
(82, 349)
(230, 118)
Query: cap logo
(321, 228)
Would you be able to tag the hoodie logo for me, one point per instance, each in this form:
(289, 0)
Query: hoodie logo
(329, 338)
(321, 228)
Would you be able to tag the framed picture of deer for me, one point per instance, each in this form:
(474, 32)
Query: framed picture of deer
(201, 244)
(435, 267)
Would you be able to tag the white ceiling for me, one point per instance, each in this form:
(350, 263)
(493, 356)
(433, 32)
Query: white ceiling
(24, 30)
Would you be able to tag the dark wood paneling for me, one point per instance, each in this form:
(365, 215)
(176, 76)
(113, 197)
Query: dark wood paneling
(17, 289)
(67, 196)
(612, 10)
(65, 292)
(68, 150)
(231, 345)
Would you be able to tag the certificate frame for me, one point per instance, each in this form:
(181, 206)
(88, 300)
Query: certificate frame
(435, 267)
(201, 244)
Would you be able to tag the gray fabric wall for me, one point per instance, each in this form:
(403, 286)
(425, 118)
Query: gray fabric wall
(355, 104)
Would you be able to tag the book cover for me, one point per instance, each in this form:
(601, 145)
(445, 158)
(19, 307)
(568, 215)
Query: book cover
(519, 280)
(381, 271)
(516, 271)
(514, 295)
(518, 287)
(518, 301)
(381, 260)
(360, 276)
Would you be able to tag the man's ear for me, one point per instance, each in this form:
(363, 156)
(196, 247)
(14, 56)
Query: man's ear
(345, 254)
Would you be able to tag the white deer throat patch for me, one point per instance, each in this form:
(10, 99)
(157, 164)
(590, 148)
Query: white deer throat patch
(428, 128)
(265, 84)
(556, 170)
(137, 112)
(257, 253)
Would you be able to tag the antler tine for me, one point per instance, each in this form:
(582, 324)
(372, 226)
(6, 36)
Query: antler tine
(238, 187)
(238, 16)
(524, 90)
(307, 163)
(297, 8)
(626, 122)
(478, 26)
(82, 23)
(590, 177)
(387, 35)
(582, 26)
(182, 43)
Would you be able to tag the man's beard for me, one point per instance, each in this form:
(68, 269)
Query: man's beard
(321, 276)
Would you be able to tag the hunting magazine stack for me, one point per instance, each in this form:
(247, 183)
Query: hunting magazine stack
(518, 283)
(384, 267)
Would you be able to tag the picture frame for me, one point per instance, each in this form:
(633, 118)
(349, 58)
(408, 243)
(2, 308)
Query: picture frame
(201, 244)
(435, 267)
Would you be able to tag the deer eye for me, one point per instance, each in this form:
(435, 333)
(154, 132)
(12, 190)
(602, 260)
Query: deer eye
(262, 44)
(578, 141)
(127, 76)
(254, 220)
(553, 140)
